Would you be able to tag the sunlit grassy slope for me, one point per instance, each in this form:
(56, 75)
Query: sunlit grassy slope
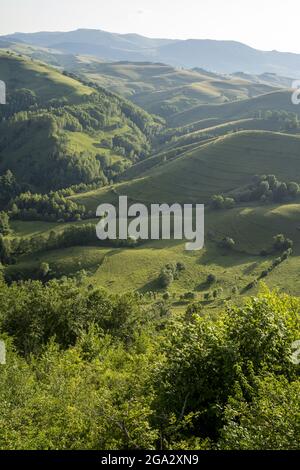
(277, 100)
(164, 90)
(220, 166)
(180, 145)
(118, 270)
(48, 83)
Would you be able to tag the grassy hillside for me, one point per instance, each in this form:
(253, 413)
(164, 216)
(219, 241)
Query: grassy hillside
(220, 166)
(125, 269)
(47, 83)
(253, 227)
(178, 145)
(62, 131)
(196, 137)
(140, 268)
(175, 94)
(102, 332)
(278, 100)
(164, 90)
(57, 129)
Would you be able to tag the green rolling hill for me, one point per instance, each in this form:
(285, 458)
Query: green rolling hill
(46, 82)
(60, 129)
(125, 269)
(220, 166)
(134, 341)
(177, 146)
(57, 130)
(277, 100)
(200, 136)
(156, 87)
(178, 95)
(165, 90)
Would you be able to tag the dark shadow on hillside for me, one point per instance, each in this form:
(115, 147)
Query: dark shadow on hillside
(151, 286)
(251, 268)
(226, 258)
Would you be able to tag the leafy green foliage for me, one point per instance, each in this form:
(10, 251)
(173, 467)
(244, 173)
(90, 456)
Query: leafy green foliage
(89, 370)
(52, 207)
(4, 223)
(33, 314)
(208, 360)
(264, 189)
(270, 421)
(92, 396)
(8, 188)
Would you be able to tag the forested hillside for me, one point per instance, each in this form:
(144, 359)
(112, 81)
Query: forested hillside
(57, 131)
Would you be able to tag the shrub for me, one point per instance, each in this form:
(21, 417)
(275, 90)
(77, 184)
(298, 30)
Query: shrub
(189, 295)
(251, 285)
(166, 278)
(227, 243)
(180, 266)
(211, 278)
(264, 273)
(217, 202)
(229, 202)
(4, 223)
(44, 270)
(286, 254)
(281, 243)
(166, 296)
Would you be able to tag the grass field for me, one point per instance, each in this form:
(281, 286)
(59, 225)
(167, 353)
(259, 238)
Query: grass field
(19, 72)
(167, 91)
(119, 270)
(220, 166)
(245, 108)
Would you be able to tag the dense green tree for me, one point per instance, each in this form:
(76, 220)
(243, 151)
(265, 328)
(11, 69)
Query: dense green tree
(8, 187)
(4, 223)
(90, 370)
(208, 359)
(270, 421)
(5, 250)
(217, 202)
(281, 243)
(293, 188)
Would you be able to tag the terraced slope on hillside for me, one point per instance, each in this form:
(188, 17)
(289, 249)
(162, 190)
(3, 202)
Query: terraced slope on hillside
(278, 100)
(220, 166)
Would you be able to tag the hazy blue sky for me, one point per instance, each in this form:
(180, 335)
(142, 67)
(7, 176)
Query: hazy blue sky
(265, 24)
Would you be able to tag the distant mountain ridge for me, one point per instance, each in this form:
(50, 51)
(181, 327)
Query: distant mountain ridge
(214, 55)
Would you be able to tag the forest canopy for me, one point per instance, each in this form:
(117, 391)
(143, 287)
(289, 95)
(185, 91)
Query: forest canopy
(91, 370)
